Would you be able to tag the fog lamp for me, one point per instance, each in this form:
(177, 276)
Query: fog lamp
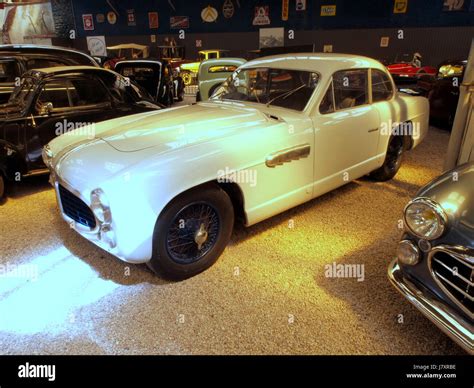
(408, 253)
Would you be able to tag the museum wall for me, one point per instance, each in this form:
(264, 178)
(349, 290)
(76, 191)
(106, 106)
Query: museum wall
(357, 27)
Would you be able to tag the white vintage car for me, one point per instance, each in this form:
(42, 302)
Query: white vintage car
(164, 187)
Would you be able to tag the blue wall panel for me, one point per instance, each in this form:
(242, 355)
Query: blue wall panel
(350, 14)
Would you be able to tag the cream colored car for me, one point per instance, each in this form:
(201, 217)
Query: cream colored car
(165, 187)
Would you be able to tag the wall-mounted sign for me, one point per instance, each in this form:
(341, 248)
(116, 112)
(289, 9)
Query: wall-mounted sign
(112, 17)
(384, 41)
(272, 37)
(88, 22)
(261, 16)
(301, 5)
(131, 21)
(327, 48)
(328, 10)
(455, 5)
(209, 14)
(96, 46)
(198, 43)
(100, 18)
(228, 9)
(400, 6)
(179, 22)
(153, 20)
(285, 5)
(153, 38)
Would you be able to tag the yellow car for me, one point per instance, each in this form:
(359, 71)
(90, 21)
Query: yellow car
(189, 71)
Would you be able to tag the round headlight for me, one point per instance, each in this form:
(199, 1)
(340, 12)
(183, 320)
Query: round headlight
(408, 253)
(425, 218)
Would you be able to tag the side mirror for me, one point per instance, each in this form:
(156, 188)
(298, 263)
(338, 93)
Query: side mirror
(46, 108)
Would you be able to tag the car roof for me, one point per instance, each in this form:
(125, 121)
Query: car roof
(35, 48)
(327, 62)
(70, 69)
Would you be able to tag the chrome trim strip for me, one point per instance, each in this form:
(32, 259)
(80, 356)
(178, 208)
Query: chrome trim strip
(455, 273)
(442, 315)
(458, 253)
(287, 155)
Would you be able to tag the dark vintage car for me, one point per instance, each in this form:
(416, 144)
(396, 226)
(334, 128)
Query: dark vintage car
(53, 101)
(156, 76)
(434, 268)
(17, 59)
(443, 91)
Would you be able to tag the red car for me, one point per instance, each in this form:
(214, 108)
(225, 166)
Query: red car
(406, 69)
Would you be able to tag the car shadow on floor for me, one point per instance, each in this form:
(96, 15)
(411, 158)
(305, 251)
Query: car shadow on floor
(28, 186)
(379, 308)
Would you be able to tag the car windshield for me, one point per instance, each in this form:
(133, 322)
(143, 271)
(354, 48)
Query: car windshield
(22, 92)
(290, 89)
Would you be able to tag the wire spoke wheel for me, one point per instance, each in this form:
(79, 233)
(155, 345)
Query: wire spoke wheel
(192, 233)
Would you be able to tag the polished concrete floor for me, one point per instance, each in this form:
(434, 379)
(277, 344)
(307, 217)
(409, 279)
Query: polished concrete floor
(268, 293)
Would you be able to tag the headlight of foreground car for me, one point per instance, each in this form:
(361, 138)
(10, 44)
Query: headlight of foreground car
(425, 218)
(408, 253)
(101, 209)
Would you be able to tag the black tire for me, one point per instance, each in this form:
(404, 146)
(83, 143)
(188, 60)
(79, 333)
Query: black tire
(392, 162)
(180, 91)
(176, 250)
(2, 188)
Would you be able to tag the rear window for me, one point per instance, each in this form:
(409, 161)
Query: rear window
(222, 69)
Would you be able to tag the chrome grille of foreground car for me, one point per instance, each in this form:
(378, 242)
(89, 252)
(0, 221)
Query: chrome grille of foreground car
(75, 208)
(454, 272)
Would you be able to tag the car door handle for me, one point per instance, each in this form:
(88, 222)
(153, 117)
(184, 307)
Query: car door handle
(373, 130)
(287, 155)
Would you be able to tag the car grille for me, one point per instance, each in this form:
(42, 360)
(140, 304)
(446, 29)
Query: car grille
(455, 272)
(76, 209)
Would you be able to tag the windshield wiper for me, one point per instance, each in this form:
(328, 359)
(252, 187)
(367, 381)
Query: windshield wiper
(286, 94)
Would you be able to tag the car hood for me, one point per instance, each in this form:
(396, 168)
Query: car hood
(177, 128)
(454, 191)
(165, 129)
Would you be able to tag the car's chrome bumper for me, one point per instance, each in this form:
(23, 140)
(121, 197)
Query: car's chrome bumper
(441, 314)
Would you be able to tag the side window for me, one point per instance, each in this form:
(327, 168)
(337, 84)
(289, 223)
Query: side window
(41, 63)
(89, 91)
(350, 88)
(381, 86)
(58, 92)
(327, 104)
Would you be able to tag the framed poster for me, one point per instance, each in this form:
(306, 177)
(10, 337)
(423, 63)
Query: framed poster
(131, 21)
(96, 46)
(455, 5)
(327, 48)
(384, 40)
(261, 16)
(272, 37)
(285, 5)
(153, 20)
(400, 6)
(179, 22)
(88, 22)
(328, 10)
